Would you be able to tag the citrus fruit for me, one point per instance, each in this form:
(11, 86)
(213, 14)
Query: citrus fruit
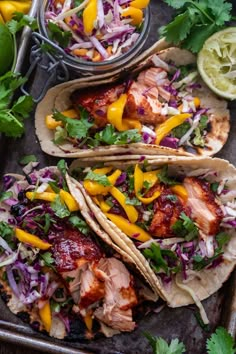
(7, 49)
(217, 63)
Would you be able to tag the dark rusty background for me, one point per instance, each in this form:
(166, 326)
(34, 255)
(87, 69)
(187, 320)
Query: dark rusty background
(169, 323)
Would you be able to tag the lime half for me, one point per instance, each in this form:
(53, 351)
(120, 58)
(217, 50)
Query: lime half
(217, 63)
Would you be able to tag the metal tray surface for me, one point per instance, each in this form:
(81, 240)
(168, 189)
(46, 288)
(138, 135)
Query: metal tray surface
(169, 323)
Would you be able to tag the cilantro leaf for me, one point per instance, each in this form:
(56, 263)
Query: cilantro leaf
(80, 224)
(214, 186)
(158, 262)
(76, 128)
(160, 346)
(62, 167)
(5, 195)
(110, 137)
(178, 29)
(195, 21)
(26, 159)
(101, 179)
(7, 233)
(56, 34)
(133, 201)
(182, 129)
(221, 342)
(60, 208)
(185, 227)
(13, 114)
(164, 178)
(47, 258)
(19, 21)
(222, 238)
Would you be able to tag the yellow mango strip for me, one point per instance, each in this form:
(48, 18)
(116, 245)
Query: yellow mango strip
(165, 128)
(1, 19)
(7, 8)
(151, 177)
(138, 185)
(115, 112)
(88, 320)
(47, 196)
(196, 101)
(95, 188)
(135, 13)
(130, 210)
(180, 190)
(69, 200)
(131, 230)
(101, 203)
(128, 123)
(140, 4)
(32, 240)
(89, 16)
(46, 316)
(52, 124)
(103, 170)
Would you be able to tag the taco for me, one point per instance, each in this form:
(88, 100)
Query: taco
(161, 107)
(176, 213)
(55, 272)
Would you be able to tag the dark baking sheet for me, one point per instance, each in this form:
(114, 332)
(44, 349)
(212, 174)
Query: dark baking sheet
(169, 323)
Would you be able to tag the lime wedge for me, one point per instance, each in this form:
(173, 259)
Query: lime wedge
(217, 63)
(7, 49)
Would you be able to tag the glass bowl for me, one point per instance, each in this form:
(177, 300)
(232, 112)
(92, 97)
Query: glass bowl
(85, 68)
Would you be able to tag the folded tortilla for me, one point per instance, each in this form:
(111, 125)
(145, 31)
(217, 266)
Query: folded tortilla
(22, 255)
(59, 98)
(190, 285)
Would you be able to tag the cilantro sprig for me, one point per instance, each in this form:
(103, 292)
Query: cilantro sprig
(185, 227)
(76, 128)
(12, 115)
(196, 20)
(220, 342)
(101, 179)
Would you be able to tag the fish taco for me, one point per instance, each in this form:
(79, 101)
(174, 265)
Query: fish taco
(161, 107)
(56, 273)
(176, 215)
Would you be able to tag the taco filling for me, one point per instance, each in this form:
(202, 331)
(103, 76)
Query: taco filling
(161, 106)
(181, 221)
(53, 268)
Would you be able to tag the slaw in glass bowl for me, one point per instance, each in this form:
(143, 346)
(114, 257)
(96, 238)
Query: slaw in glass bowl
(111, 41)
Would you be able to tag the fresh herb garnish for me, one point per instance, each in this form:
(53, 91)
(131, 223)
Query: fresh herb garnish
(5, 195)
(62, 167)
(172, 197)
(158, 263)
(185, 227)
(19, 21)
(160, 346)
(13, 114)
(60, 36)
(214, 186)
(164, 178)
(110, 137)
(27, 159)
(181, 130)
(200, 262)
(132, 201)
(101, 179)
(80, 224)
(60, 208)
(69, 279)
(221, 342)
(48, 259)
(76, 128)
(7, 233)
(196, 20)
